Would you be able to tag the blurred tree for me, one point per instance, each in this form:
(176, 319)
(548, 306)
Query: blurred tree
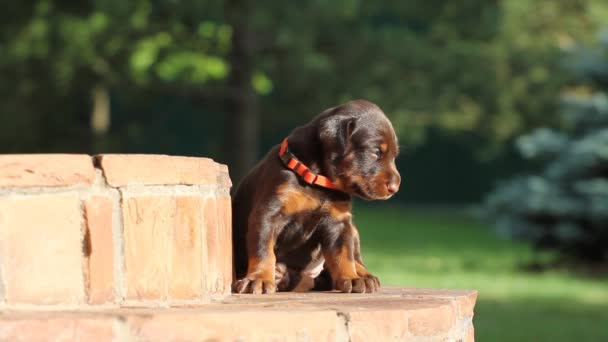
(61, 61)
(488, 68)
(99, 75)
(565, 206)
(241, 143)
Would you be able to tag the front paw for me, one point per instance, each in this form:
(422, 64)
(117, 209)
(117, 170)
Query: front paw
(365, 284)
(372, 283)
(255, 284)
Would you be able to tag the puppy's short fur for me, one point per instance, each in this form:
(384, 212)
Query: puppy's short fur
(292, 236)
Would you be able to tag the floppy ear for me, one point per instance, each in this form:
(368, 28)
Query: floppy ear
(335, 134)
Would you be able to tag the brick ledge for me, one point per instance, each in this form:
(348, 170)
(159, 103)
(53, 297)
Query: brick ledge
(393, 314)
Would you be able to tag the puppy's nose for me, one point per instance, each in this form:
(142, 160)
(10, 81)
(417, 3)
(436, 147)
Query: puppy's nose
(392, 187)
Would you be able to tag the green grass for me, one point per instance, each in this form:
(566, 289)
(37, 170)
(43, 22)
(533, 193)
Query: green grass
(406, 248)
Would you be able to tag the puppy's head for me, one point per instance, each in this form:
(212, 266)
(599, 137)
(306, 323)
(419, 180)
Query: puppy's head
(359, 148)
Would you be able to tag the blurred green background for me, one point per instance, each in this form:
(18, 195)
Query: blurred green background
(467, 84)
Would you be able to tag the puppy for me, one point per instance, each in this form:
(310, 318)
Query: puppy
(292, 221)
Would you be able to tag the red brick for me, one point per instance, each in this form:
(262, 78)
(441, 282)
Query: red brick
(224, 176)
(470, 334)
(38, 329)
(42, 249)
(218, 245)
(162, 236)
(223, 168)
(211, 240)
(185, 277)
(132, 169)
(225, 213)
(378, 325)
(239, 325)
(99, 263)
(411, 292)
(27, 170)
(432, 321)
(466, 304)
(390, 316)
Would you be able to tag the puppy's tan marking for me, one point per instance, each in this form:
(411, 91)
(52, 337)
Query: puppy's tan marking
(263, 268)
(341, 211)
(341, 264)
(384, 147)
(361, 270)
(296, 201)
(379, 184)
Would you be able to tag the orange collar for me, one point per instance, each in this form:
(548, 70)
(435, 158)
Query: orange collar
(302, 170)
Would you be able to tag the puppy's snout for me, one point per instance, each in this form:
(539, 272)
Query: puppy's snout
(393, 184)
(392, 188)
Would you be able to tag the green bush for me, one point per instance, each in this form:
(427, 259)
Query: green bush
(564, 206)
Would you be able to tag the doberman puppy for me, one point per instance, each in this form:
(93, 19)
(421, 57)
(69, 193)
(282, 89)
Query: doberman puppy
(292, 221)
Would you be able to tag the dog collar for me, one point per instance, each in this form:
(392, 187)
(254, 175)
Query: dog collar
(302, 170)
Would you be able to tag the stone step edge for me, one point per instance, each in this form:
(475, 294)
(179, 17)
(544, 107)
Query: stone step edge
(39, 172)
(397, 313)
(331, 319)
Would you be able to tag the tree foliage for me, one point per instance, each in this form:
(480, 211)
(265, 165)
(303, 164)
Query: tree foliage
(565, 205)
(486, 68)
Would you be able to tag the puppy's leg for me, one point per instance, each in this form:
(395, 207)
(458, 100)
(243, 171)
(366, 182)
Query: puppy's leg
(261, 260)
(339, 252)
(372, 283)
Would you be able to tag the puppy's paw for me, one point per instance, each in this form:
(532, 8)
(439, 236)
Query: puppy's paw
(365, 284)
(255, 285)
(372, 283)
(356, 285)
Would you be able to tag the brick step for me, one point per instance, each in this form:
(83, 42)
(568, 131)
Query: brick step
(394, 314)
(113, 230)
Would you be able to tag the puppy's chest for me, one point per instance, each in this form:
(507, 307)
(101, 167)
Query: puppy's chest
(307, 219)
(305, 205)
(300, 229)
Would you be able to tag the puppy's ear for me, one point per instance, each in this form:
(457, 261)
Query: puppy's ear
(335, 134)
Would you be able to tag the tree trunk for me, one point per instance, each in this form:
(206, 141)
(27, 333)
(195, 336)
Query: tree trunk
(242, 119)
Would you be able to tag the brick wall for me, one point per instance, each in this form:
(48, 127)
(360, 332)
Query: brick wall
(113, 230)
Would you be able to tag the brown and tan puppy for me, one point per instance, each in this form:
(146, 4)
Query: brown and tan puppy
(292, 222)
